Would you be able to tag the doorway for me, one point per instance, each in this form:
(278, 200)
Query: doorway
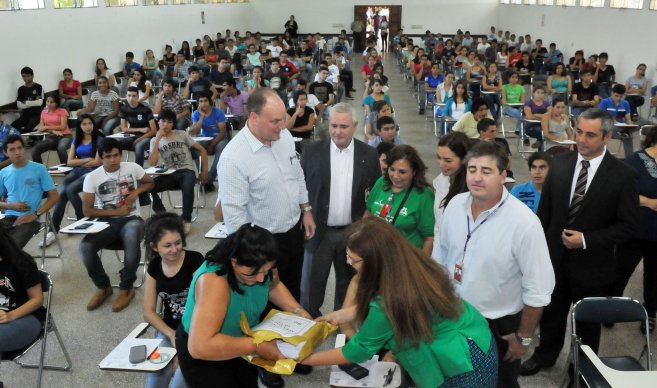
(375, 18)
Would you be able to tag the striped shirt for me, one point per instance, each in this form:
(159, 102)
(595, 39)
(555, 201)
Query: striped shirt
(104, 103)
(261, 184)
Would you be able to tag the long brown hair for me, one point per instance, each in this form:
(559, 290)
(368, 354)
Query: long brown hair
(410, 154)
(415, 291)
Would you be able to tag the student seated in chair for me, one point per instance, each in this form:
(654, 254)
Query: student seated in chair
(210, 121)
(386, 132)
(112, 192)
(137, 119)
(170, 149)
(6, 130)
(24, 184)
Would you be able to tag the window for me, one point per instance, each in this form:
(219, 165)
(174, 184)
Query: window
(538, 2)
(121, 3)
(632, 4)
(155, 2)
(10, 5)
(653, 4)
(566, 3)
(57, 4)
(592, 3)
(179, 2)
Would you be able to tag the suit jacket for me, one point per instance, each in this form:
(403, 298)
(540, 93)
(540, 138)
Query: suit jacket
(316, 165)
(609, 216)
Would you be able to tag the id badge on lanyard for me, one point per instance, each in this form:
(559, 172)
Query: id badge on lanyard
(458, 272)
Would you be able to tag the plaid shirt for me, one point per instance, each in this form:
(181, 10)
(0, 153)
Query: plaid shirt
(175, 103)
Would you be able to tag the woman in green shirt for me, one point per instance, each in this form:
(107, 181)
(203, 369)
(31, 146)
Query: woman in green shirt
(238, 276)
(403, 197)
(407, 304)
(513, 99)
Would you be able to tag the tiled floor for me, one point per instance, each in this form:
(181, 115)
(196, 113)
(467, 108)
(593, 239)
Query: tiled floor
(89, 336)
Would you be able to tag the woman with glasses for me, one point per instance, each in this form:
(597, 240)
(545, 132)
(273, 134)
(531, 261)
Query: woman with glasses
(404, 198)
(237, 277)
(439, 339)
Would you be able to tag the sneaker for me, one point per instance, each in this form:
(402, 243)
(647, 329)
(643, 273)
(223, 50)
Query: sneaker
(50, 238)
(123, 300)
(209, 187)
(525, 142)
(187, 227)
(99, 297)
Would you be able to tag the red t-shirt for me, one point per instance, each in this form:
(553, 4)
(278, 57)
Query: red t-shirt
(69, 90)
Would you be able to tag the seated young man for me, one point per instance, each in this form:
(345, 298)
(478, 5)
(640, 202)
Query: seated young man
(198, 84)
(169, 98)
(172, 150)
(180, 72)
(324, 92)
(111, 192)
(6, 130)
(431, 82)
(585, 94)
(23, 184)
(234, 100)
(305, 54)
(210, 121)
(346, 75)
(288, 68)
(468, 122)
(137, 119)
(129, 66)
(221, 73)
(277, 80)
(619, 109)
(386, 132)
(530, 192)
(29, 102)
(487, 129)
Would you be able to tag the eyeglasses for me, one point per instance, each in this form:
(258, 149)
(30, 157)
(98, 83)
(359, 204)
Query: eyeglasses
(351, 261)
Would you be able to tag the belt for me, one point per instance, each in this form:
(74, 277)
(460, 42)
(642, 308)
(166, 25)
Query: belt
(337, 227)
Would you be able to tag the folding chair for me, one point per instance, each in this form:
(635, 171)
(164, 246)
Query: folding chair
(117, 246)
(607, 310)
(46, 227)
(48, 326)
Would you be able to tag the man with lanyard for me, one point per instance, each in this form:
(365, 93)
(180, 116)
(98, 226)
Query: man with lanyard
(509, 280)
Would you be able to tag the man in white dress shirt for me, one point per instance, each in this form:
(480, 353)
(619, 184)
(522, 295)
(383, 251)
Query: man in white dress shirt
(497, 257)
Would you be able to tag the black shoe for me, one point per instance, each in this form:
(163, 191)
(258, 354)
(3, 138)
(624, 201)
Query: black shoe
(530, 367)
(348, 96)
(270, 380)
(302, 369)
(209, 187)
(421, 112)
(608, 325)
(651, 325)
(525, 142)
(352, 90)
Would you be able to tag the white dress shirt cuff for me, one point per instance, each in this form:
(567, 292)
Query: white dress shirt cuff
(583, 242)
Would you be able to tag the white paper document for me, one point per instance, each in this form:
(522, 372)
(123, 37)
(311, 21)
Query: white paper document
(565, 142)
(286, 325)
(382, 374)
(289, 350)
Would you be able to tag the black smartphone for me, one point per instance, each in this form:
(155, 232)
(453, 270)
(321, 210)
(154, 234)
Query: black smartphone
(161, 170)
(55, 168)
(354, 370)
(83, 226)
(137, 354)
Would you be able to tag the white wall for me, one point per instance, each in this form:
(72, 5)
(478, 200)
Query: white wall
(624, 34)
(330, 16)
(50, 40)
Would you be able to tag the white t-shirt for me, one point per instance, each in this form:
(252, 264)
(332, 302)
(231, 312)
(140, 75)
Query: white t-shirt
(275, 50)
(458, 111)
(111, 188)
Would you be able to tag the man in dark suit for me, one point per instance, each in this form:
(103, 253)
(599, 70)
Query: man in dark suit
(589, 205)
(339, 171)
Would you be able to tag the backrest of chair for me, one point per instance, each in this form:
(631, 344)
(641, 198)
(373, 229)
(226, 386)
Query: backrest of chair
(609, 309)
(46, 282)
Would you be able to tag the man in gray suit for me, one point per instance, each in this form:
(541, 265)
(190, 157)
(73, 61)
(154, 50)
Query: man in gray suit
(339, 171)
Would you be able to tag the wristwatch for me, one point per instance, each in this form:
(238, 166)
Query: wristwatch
(524, 341)
(37, 213)
(306, 209)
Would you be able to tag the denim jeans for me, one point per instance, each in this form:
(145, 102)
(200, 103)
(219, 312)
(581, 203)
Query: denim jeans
(50, 143)
(127, 230)
(69, 190)
(182, 123)
(71, 104)
(140, 148)
(17, 334)
(162, 378)
(109, 125)
(534, 130)
(628, 145)
(514, 113)
(181, 179)
(218, 149)
(23, 233)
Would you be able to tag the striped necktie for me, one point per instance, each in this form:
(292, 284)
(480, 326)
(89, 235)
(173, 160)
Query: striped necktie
(578, 195)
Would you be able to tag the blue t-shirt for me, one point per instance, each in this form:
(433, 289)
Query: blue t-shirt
(25, 184)
(527, 194)
(210, 126)
(618, 112)
(433, 82)
(130, 67)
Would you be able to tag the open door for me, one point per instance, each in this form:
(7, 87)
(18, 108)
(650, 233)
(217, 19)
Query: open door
(366, 14)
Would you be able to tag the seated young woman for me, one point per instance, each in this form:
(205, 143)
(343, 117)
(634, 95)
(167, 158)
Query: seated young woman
(437, 337)
(301, 118)
(83, 157)
(54, 123)
(171, 268)
(151, 66)
(70, 91)
(238, 276)
(368, 102)
(22, 313)
(103, 71)
(141, 82)
(103, 106)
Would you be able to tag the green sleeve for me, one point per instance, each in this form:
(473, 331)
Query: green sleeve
(375, 333)
(374, 194)
(427, 219)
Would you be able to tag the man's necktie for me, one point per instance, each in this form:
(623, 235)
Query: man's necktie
(578, 195)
